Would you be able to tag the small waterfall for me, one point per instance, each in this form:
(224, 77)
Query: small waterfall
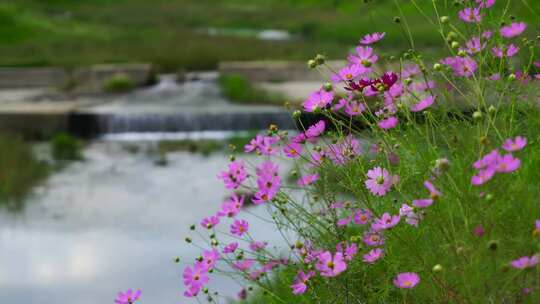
(169, 106)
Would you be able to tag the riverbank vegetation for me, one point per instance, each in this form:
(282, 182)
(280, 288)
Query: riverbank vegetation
(198, 34)
(238, 89)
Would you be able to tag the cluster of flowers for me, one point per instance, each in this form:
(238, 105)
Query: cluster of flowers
(368, 96)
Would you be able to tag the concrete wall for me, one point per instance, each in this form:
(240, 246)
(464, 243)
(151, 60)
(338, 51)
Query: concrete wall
(262, 71)
(85, 79)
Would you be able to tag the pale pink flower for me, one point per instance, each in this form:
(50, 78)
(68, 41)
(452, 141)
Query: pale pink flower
(513, 30)
(470, 15)
(372, 38)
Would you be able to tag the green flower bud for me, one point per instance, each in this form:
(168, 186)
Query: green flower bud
(445, 19)
(462, 53)
(192, 227)
(320, 59)
(455, 44)
(512, 77)
(296, 114)
(397, 19)
(492, 109)
(477, 115)
(437, 268)
(437, 67)
(493, 245)
(312, 64)
(327, 86)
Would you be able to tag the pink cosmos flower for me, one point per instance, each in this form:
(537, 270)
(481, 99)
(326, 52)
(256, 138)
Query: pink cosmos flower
(128, 297)
(495, 77)
(293, 150)
(257, 245)
(406, 280)
(525, 262)
(195, 278)
(386, 221)
(380, 181)
(470, 15)
(461, 66)
(362, 216)
(330, 267)
(364, 56)
(513, 30)
(508, 51)
(373, 238)
(372, 38)
(354, 108)
(210, 258)
(483, 176)
(515, 144)
(479, 230)
(422, 203)
(423, 104)
(243, 265)
(209, 222)
(242, 294)
(268, 182)
(410, 70)
(344, 151)
(239, 227)
(318, 100)
(488, 160)
(507, 163)
(410, 216)
(474, 46)
(349, 251)
(388, 123)
(230, 248)
(307, 180)
(234, 177)
(485, 3)
(372, 256)
(316, 129)
(344, 221)
(232, 206)
(349, 73)
(536, 230)
(262, 144)
(300, 283)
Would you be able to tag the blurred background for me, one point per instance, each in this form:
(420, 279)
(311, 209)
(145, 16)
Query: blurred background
(117, 115)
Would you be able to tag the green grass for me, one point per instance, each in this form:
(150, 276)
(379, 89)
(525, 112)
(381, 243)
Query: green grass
(170, 33)
(20, 172)
(472, 268)
(65, 147)
(238, 89)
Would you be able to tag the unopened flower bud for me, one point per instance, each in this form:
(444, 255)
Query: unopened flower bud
(445, 19)
(437, 67)
(176, 259)
(512, 77)
(232, 157)
(327, 86)
(397, 19)
(320, 59)
(452, 35)
(477, 115)
(192, 227)
(493, 245)
(312, 64)
(408, 80)
(442, 164)
(492, 109)
(462, 53)
(188, 240)
(296, 114)
(455, 44)
(489, 197)
(437, 268)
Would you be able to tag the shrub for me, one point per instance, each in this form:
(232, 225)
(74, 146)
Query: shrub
(20, 171)
(65, 147)
(238, 89)
(119, 83)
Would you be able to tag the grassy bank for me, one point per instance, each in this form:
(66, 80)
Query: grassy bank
(240, 90)
(20, 171)
(172, 34)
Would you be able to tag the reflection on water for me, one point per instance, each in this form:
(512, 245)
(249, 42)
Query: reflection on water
(112, 222)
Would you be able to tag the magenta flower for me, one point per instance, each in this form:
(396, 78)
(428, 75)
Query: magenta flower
(388, 123)
(461, 66)
(195, 278)
(293, 150)
(410, 70)
(350, 73)
(300, 283)
(372, 256)
(316, 129)
(525, 262)
(318, 100)
(307, 180)
(380, 181)
(209, 222)
(410, 216)
(479, 231)
(515, 144)
(330, 267)
(406, 280)
(485, 3)
(354, 108)
(362, 216)
(470, 15)
(536, 230)
(232, 206)
(243, 265)
(423, 104)
(230, 248)
(422, 203)
(507, 163)
(513, 30)
(508, 51)
(364, 56)
(262, 144)
(210, 258)
(373, 238)
(483, 176)
(268, 182)
(386, 221)
(128, 297)
(488, 160)
(239, 227)
(344, 151)
(372, 38)
(234, 177)
(474, 46)
(344, 221)
(257, 245)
